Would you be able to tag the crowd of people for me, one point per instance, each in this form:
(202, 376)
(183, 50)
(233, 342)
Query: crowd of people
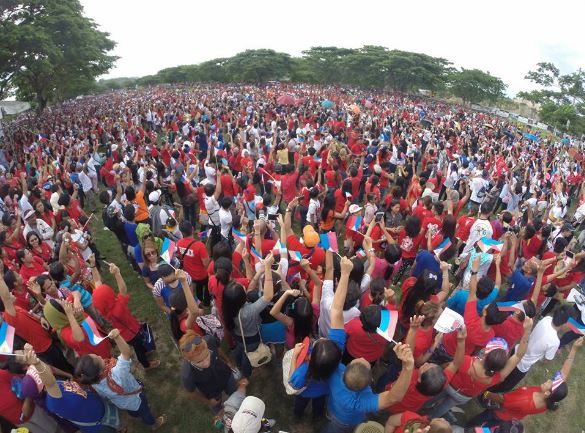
(324, 229)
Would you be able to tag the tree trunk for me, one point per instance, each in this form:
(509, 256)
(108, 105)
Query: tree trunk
(41, 104)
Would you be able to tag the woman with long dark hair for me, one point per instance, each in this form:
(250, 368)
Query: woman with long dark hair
(329, 215)
(242, 318)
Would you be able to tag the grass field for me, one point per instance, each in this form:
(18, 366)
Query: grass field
(184, 415)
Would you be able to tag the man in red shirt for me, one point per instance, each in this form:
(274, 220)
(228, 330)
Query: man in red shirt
(435, 221)
(195, 259)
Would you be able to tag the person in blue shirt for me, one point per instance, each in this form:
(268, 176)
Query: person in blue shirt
(521, 281)
(487, 292)
(351, 396)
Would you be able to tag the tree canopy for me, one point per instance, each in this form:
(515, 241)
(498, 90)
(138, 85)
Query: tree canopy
(473, 85)
(562, 97)
(49, 50)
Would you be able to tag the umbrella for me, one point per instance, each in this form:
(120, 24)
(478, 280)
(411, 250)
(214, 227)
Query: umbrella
(327, 103)
(531, 137)
(355, 108)
(286, 100)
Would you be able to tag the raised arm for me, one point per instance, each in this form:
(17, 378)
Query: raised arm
(317, 283)
(566, 368)
(459, 351)
(43, 370)
(396, 394)
(217, 192)
(515, 359)
(340, 294)
(276, 310)
(125, 350)
(538, 284)
(115, 271)
(268, 288)
(497, 261)
(76, 330)
(473, 281)
(445, 284)
(415, 322)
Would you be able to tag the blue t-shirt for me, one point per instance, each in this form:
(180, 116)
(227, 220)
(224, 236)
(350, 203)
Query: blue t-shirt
(153, 276)
(350, 407)
(130, 229)
(80, 406)
(458, 300)
(85, 297)
(316, 388)
(520, 286)
(427, 260)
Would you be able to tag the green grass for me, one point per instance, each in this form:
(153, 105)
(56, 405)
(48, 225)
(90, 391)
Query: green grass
(163, 386)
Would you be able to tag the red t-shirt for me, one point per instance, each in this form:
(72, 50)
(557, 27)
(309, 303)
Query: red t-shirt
(362, 344)
(104, 349)
(519, 403)
(227, 185)
(10, 405)
(29, 329)
(464, 227)
(423, 341)
(22, 299)
(413, 399)
(466, 385)
(433, 224)
(477, 336)
(216, 290)
(316, 256)
(355, 183)
(510, 330)
(289, 187)
(34, 270)
(193, 257)
(408, 245)
(408, 418)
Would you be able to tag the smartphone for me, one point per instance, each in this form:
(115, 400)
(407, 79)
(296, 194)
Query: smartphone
(271, 217)
(570, 254)
(379, 216)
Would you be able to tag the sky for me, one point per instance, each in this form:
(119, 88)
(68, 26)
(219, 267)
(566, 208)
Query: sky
(505, 38)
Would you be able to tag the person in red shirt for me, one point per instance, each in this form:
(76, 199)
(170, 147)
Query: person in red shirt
(355, 177)
(228, 184)
(435, 221)
(288, 183)
(29, 328)
(409, 240)
(465, 222)
(362, 339)
(423, 208)
(528, 400)
(409, 422)
(512, 328)
(30, 266)
(115, 309)
(195, 261)
(18, 289)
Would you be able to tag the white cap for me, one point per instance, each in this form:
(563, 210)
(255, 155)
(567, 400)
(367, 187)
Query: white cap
(28, 213)
(154, 196)
(248, 418)
(354, 208)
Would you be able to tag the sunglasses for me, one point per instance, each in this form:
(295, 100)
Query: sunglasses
(195, 342)
(150, 254)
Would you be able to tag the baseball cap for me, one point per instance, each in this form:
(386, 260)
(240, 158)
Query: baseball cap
(28, 213)
(310, 236)
(354, 208)
(248, 418)
(154, 196)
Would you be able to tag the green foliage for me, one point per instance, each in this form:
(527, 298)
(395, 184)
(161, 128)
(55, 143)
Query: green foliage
(49, 50)
(562, 97)
(475, 86)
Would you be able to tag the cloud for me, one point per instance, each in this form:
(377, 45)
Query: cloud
(506, 38)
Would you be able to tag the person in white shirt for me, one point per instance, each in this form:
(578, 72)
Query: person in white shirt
(212, 194)
(32, 223)
(87, 187)
(479, 187)
(543, 343)
(314, 207)
(225, 216)
(481, 228)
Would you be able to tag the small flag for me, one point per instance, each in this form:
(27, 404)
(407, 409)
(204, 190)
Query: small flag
(329, 242)
(576, 327)
(360, 253)
(168, 250)
(295, 256)
(279, 249)
(91, 331)
(316, 158)
(485, 244)
(510, 306)
(354, 223)
(292, 278)
(255, 253)
(6, 338)
(558, 380)
(239, 236)
(203, 234)
(496, 343)
(443, 247)
(388, 322)
(483, 429)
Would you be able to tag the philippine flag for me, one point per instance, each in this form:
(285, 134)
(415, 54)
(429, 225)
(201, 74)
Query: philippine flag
(486, 244)
(443, 247)
(510, 306)
(388, 322)
(168, 250)
(329, 242)
(255, 253)
(239, 236)
(92, 332)
(360, 253)
(6, 339)
(576, 327)
(295, 256)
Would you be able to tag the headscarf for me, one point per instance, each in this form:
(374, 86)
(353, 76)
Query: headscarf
(56, 318)
(144, 229)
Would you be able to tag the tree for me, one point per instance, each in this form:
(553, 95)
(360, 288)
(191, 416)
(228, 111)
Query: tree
(562, 97)
(49, 50)
(474, 86)
(259, 66)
